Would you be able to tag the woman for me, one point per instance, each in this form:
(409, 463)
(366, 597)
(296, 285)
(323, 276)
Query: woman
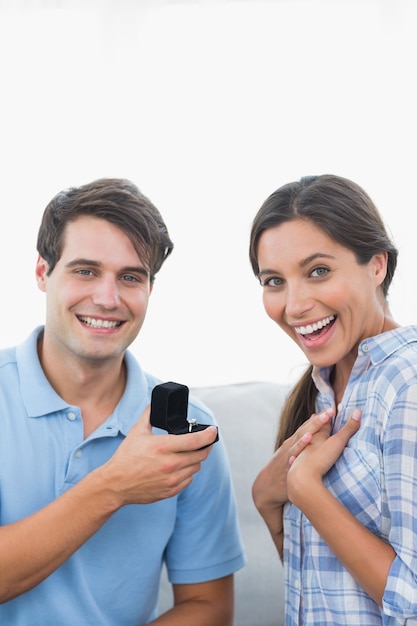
(339, 496)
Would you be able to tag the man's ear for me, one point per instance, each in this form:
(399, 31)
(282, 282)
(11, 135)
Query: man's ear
(41, 272)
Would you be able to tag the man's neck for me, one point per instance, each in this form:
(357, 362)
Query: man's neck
(95, 387)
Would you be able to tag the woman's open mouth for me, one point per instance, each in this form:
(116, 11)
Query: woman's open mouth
(313, 331)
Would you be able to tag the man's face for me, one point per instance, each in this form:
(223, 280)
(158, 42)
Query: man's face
(97, 294)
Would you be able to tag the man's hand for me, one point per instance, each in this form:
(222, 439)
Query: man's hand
(147, 467)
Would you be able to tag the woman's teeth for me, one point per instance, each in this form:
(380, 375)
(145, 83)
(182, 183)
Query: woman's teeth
(311, 328)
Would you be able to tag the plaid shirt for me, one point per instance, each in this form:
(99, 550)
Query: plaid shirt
(376, 479)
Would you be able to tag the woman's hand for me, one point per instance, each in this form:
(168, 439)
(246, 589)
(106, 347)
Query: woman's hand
(269, 490)
(314, 461)
(270, 486)
(367, 557)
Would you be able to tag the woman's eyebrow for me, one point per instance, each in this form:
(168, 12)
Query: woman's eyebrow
(267, 271)
(302, 263)
(313, 257)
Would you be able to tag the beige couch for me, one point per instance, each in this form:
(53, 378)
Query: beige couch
(247, 414)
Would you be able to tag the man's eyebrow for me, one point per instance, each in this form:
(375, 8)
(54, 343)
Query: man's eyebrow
(136, 269)
(303, 262)
(82, 261)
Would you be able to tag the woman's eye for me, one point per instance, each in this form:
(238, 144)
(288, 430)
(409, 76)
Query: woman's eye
(272, 282)
(319, 272)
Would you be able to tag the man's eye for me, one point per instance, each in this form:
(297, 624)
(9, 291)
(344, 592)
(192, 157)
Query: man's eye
(128, 278)
(84, 272)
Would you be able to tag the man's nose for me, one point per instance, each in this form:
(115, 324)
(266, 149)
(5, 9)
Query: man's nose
(106, 293)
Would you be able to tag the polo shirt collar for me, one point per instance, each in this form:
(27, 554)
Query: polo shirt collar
(41, 399)
(136, 396)
(38, 396)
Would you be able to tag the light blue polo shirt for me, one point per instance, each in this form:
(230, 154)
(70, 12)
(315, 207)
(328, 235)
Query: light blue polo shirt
(113, 579)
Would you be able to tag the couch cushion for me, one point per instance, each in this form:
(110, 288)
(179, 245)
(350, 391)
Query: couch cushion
(247, 414)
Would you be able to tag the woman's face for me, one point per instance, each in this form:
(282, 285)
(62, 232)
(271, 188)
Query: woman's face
(316, 291)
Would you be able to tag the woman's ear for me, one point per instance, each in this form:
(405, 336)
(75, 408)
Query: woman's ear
(380, 262)
(41, 272)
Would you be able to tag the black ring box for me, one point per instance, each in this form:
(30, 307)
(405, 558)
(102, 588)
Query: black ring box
(169, 409)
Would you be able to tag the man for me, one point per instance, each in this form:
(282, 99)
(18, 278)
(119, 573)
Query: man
(92, 502)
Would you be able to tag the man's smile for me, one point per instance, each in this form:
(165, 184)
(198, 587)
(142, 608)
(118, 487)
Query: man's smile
(99, 323)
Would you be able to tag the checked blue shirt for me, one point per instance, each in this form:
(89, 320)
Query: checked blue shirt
(376, 479)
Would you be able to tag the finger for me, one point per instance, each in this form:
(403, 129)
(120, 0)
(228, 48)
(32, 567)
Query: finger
(317, 421)
(143, 424)
(353, 423)
(324, 417)
(194, 441)
(299, 446)
(339, 440)
(350, 428)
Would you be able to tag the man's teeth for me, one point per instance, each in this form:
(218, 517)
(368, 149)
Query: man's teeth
(91, 321)
(311, 328)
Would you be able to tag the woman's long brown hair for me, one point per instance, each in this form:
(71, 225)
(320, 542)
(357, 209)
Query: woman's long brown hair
(345, 212)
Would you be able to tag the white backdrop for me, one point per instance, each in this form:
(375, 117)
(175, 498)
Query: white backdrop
(208, 106)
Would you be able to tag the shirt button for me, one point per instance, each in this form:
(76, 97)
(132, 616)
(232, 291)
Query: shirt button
(297, 583)
(365, 347)
(339, 407)
(71, 416)
(78, 453)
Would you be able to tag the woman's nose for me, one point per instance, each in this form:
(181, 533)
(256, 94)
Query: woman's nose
(299, 300)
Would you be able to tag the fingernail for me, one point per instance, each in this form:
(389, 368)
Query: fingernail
(356, 415)
(325, 414)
